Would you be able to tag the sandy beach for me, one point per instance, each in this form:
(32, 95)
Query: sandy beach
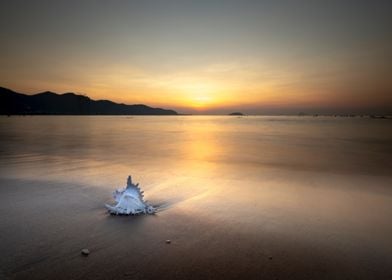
(44, 229)
(225, 219)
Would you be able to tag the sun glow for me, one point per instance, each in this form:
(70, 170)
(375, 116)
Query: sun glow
(198, 95)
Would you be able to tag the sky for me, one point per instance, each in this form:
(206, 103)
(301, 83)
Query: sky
(204, 57)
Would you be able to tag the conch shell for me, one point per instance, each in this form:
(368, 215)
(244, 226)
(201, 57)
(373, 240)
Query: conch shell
(130, 201)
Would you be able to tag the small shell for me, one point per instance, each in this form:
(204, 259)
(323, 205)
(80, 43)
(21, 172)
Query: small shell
(85, 252)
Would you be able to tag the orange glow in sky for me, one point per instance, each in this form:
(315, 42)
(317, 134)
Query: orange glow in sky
(202, 56)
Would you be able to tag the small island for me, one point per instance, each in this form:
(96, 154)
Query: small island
(236, 114)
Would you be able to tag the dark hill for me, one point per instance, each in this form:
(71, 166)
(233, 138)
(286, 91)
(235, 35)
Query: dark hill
(50, 103)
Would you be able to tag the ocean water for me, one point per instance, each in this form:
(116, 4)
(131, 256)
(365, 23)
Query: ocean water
(322, 182)
(75, 148)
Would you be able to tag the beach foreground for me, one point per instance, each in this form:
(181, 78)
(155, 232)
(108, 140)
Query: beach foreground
(226, 219)
(44, 230)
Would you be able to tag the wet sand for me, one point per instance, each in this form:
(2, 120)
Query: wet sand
(224, 234)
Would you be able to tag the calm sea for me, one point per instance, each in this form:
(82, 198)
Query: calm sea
(104, 149)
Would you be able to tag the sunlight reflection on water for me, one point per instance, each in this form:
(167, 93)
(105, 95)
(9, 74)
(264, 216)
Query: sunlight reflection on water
(199, 162)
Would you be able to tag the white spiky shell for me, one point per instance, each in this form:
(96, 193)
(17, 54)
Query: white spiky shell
(130, 201)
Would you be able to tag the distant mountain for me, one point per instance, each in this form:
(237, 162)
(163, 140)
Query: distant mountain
(49, 103)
